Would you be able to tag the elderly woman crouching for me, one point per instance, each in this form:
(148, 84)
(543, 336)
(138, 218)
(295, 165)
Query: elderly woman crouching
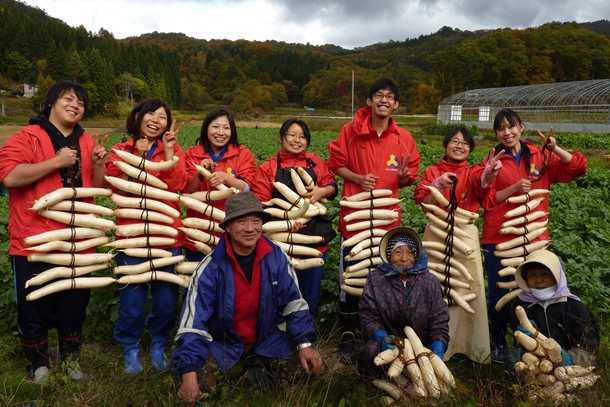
(401, 292)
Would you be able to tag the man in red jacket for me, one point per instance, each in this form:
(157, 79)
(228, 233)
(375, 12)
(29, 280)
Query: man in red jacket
(371, 152)
(52, 152)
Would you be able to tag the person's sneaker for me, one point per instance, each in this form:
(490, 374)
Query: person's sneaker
(38, 376)
(132, 362)
(73, 370)
(459, 357)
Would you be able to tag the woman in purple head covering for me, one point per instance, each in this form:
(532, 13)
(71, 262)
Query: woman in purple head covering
(556, 312)
(401, 292)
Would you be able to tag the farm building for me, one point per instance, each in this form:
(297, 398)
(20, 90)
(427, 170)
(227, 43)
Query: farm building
(575, 107)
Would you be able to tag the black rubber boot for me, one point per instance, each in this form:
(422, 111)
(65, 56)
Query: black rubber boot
(348, 322)
(69, 345)
(36, 350)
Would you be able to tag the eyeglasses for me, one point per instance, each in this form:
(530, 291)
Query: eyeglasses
(389, 96)
(456, 143)
(292, 136)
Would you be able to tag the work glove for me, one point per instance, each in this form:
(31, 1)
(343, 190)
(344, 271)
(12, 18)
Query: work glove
(439, 348)
(525, 331)
(492, 167)
(568, 360)
(443, 182)
(385, 340)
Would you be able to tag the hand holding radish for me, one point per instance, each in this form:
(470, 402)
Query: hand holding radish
(314, 194)
(523, 186)
(367, 182)
(208, 164)
(218, 178)
(66, 157)
(443, 182)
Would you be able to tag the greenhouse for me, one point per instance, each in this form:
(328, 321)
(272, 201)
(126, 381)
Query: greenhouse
(574, 107)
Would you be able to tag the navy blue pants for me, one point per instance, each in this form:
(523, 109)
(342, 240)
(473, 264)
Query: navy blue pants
(498, 320)
(132, 318)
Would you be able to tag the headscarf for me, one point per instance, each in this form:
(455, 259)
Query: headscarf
(561, 291)
(421, 259)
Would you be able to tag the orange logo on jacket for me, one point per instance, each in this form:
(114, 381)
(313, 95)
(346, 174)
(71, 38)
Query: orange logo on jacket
(231, 172)
(534, 171)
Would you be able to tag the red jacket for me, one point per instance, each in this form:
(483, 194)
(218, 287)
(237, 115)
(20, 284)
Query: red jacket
(265, 176)
(468, 190)
(362, 151)
(238, 162)
(511, 174)
(32, 145)
(175, 178)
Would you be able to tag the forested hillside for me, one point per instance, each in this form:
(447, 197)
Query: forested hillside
(258, 76)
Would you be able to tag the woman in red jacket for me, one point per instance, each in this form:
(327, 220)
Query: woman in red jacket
(469, 332)
(294, 138)
(153, 138)
(218, 151)
(525, 166)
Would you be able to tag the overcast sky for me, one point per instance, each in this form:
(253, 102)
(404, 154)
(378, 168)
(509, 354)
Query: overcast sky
(348, 23)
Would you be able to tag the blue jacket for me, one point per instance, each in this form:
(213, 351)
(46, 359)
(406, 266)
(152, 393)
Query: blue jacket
(206, 323)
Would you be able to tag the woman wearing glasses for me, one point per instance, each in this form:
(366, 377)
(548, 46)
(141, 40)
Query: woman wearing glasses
(294, 138)
(466, 185)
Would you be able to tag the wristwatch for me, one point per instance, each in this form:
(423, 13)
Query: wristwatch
(303, 345)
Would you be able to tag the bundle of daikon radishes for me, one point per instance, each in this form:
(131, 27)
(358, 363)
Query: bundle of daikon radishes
(540, 367)
(514, 251)
(155, 216)
(446, 258)
(416, 370)
(203, 232)
(295, 208)
(85, 230)
(368, 218)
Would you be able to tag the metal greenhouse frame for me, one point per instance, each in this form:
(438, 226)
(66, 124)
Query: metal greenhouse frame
(575, 107)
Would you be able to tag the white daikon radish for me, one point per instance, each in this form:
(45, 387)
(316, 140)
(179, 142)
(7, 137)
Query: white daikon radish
(145, 164)
(64, 234)
(70, 284)
(296, 250)
(304, 264)
(353, 291)
(78, 206)
(140, 175)
(141, 189)
(458, 244)
(525, 208)
(203, 224)
(413, 370)
(423, 361)
(366, 253)
(507, 298)
(445, 203)
(357, 238)
(308, 181)
(297, 238)
(522, 250)
(440, 267)
(368, 242)
(458, 300)
(389, 388)
(186, 267)
(355, 282)
(203, 208)
(136, 242)
(202, 247)
(441, 224)
(453, 282)
(207, 174)
(368, 224)
(64, 272)
(507, 285)
(370, 262)
(356, 274)
(148, 252)
(444, 215)
(200, 236)
(281, 214)
(372, 214)
(282, 225)
(526, 229)
(452, 262)
(521, 239)
(442, 247)
(68, 193)
(75, 219)
(147, 265)
(136, 229)
(143, 203)
(524, 219)
(527, 196)
(514, 262)
(367, 195)
(182, 281)
(373, 203)
(61, 246)
(71, 259)
(143, 214)
(507, 271)
(207, 196)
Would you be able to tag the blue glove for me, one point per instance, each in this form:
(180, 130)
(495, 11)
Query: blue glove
(439, 348)
(525, 331)
(385, 340)
(568, 360)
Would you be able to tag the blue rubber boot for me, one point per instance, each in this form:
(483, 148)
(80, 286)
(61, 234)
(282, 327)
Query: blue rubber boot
(132, 362)
(158, 358)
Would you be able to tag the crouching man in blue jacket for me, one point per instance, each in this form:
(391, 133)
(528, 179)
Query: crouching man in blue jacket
(235, 295)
